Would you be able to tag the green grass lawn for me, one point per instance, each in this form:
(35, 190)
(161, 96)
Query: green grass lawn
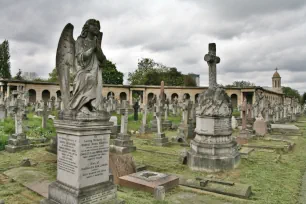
(273, 181)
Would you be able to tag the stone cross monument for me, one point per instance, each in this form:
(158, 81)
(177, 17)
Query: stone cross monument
(123, 143)
(160, 139)
(17, 141)
(212, 61)
(213, 148)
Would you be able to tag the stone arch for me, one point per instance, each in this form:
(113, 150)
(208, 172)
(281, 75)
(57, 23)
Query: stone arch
(187, 95)
(196, 97)
(122, 96)
(109, 93)
(173, 96)
(32, 96)
(58, 94)
(45, 95)
(150, 96)
(234, 99)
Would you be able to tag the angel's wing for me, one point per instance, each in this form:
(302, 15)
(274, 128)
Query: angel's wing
(65, 61)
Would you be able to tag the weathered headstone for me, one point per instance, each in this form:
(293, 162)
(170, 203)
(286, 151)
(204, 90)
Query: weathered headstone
(213, 148)
(234, 123)
(260, 126)
(186, 129)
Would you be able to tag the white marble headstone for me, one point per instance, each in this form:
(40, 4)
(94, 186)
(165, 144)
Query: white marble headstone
(114, 119)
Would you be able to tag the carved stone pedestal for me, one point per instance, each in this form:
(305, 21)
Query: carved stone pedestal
(53, 145)
(161, 140)
(17, 142)
(153, 123)
(167, 124)
(143, 129)
(82, 164)
(213, 149)
(123, 144)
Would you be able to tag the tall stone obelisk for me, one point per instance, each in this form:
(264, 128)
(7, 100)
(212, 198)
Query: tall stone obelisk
(213, 148)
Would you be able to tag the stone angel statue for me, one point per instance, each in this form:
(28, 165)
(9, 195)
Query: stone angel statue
(81, 61)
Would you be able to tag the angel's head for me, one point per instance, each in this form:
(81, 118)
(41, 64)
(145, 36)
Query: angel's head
(91, 25)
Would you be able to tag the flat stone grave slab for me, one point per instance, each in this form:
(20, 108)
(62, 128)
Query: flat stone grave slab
(246, 151)
(148, 180)
(31, 178)
(284, 127)
(40, 187)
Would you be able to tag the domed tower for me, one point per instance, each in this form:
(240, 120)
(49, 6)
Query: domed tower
(277, 81)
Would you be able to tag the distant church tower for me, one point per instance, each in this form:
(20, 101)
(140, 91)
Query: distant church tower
(277, 81)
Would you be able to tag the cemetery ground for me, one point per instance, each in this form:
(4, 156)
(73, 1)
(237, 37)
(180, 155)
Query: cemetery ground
(274, 174)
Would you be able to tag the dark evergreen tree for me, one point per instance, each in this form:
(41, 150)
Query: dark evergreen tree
(5, 65)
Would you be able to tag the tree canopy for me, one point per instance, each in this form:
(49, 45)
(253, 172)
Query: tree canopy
(110, 74)
(291, 92)
(5, 65)
(241, 84)
(303, 98)
(18, 75)
(149, 72)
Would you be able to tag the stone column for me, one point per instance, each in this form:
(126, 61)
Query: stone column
(213, 148)
(44, 115)
(8, 91)
(144, 127)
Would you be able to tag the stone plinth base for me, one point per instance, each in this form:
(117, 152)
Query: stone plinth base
(60, 193)
(148, 181)
(210, 163)
(167, 124)
(53, 145)
(123, 144)
(144, 129)
(122, 150)
(213, 148)
(153, 125)
(17, 143)
(161, 140)
(186, 131)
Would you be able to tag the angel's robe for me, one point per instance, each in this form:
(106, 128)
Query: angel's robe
(87, 84)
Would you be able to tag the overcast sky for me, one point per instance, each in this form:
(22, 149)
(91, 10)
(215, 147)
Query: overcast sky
(252, 37)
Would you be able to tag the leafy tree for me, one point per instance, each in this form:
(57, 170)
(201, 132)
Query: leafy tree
(40, 80)
(145, 66)
(110, 74)
(241, 84)
(304, 98)
(18, 75)
(5, 65)
(53, 77)
(291, 92)
(189, 81)
(150, 72)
